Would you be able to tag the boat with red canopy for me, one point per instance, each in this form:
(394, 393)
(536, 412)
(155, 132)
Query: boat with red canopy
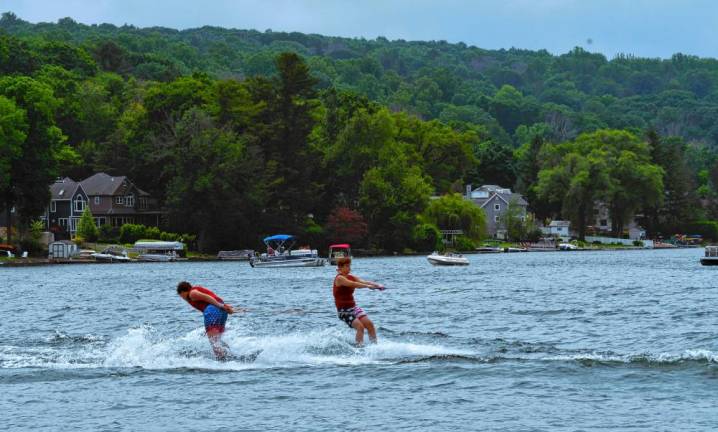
(337, 251)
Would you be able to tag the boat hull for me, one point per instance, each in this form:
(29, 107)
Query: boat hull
(291, 262)
(709, 261)
(110, 258)
(156, 258)
(447, 261)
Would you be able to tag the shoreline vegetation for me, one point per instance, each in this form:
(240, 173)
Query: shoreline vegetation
(239, 134)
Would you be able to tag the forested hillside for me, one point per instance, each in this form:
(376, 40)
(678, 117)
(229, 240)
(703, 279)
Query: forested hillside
(241, 132)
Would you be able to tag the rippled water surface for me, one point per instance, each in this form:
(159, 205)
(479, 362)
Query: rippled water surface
(522, 342)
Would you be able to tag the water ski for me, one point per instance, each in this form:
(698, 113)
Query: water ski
(244, 358)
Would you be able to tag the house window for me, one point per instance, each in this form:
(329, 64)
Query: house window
(604, 222)
(143, 203)
(73, 224)
(496, 218)
(497, 207)
(130, 201)
(79, 203)
(62, 222)
(53, 206)
(97, 200)
(118, 200)
(99, 221)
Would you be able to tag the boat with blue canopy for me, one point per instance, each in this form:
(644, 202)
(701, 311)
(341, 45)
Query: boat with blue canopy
(280, 254)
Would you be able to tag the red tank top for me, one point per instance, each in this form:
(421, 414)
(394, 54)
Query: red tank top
(344, 296)
(201, 304)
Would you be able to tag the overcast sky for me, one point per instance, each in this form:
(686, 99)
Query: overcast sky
(647, 28)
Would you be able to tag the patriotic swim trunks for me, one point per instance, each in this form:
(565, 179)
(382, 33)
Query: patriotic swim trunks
(214, 318)
(348, 315)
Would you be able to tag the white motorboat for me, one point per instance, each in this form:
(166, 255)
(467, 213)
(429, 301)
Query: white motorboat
(280, 254)
(449, 259)
(567, 246)
(158, 251)
(489, 249)
(711, 256)
(111, 254)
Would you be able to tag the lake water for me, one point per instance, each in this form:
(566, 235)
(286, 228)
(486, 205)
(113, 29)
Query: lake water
(558, 341)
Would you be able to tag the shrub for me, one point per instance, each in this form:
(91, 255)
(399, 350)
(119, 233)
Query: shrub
(427, 237)
(637, 243)
(463, 243)
(130, 233)
(165, 236)
(32, 247)
(152, 233)
(707, 229)
(108, 234)
(313, 233)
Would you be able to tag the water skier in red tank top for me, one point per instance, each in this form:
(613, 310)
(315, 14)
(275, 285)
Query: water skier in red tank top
(347, 310)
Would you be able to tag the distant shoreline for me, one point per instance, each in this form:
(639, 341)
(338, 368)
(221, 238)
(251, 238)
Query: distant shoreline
(35, 262)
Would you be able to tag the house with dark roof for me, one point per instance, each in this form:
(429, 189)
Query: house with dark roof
(67, 202)
(494, 200)
(116, 201)
(113, 200)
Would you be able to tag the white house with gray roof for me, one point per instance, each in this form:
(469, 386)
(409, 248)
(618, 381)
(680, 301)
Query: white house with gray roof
(494, 200)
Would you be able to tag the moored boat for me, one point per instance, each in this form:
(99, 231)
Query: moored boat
(567, 246)
(711, 256)
(158, 251)
(341, 250)
(489, 249)
(111, 254)
(448, 259)
(280, 254)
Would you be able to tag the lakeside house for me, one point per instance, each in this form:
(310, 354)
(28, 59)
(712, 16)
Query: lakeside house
(113, 200)
(557, 228)
(67, 202)
(494, 200)
(602, 223)
(601, 227)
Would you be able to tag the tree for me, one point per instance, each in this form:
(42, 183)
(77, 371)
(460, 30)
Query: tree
(528, 165)
(445, 153)
(86, 228)
(346, 225)
(610, 166)
(574, 182)
(42, 149)
(211, 190)
(519, 227)
(453, 212)
(291, 104)
(680, 203)
(391, 196)
(512, 109)
(634, 181)
(495, 164)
